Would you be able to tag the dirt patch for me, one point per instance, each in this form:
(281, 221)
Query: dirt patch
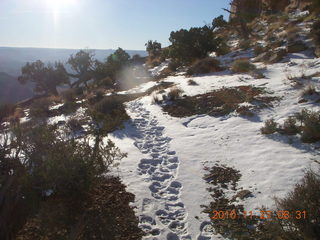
(219, 102)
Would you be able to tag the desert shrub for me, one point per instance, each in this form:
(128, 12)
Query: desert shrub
(309, 90)
(95, 96)
(174, 93)
(290, 127)
(205, 65)
(68, 108)
(270, 127)
(191, 82)
(6, 109)
(292, 31)
(311, 127)
(69, 95)
(316, 32)
(39, 109)
(75, 124)
(244, 44)
(242, 66)
(222, 48)
(106, 82)
(173, 65)
(258, 49)
(49, 166)
(303, 202)
(109, 113)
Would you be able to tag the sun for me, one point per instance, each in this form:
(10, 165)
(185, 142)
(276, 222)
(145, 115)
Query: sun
(57, 5)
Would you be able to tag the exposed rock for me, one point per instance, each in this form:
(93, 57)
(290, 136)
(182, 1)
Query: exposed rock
(296, 46)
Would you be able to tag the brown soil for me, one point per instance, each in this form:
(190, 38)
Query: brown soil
(219, 102)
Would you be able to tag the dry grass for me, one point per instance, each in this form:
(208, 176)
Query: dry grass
(217, 103)
(205, 65)
(174, 93)
(242, 66)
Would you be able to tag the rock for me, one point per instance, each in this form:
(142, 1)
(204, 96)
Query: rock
(277, 56)
(296, 46)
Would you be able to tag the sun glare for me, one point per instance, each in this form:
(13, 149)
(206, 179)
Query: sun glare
(57, 5)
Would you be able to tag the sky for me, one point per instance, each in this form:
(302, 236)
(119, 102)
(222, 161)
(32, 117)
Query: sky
(100, 24)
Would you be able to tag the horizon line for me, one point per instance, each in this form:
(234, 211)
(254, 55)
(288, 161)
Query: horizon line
(72, 48)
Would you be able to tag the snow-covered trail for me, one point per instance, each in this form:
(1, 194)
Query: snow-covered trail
(160, 171)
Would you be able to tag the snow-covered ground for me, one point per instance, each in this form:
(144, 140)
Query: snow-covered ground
(167, 155)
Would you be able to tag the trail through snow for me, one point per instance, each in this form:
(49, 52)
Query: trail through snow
(160, 170)
(164, 215)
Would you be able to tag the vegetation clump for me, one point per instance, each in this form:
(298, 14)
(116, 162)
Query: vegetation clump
(270, 127)
(309, 127)
(48, 176)
(205, 65)
(217, 103)
(242, 66)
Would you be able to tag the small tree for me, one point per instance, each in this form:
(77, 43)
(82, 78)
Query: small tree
(153, 48)
(191, 44)
(45, 77)
(82, 63)
(116, 61)
(218, 22)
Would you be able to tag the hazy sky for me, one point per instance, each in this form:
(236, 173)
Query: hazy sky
(100, 24)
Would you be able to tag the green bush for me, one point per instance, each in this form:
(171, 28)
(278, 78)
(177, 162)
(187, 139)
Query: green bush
(50, 165)
(39, 109)
(270, 127)
(109, 113)
(242, 66)
(68, 108)
(191, 44)
(69, 95)
(205, 65)
(222, 48)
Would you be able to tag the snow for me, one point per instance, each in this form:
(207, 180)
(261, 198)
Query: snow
(140, 88)
(157, 70)
(167, 155)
